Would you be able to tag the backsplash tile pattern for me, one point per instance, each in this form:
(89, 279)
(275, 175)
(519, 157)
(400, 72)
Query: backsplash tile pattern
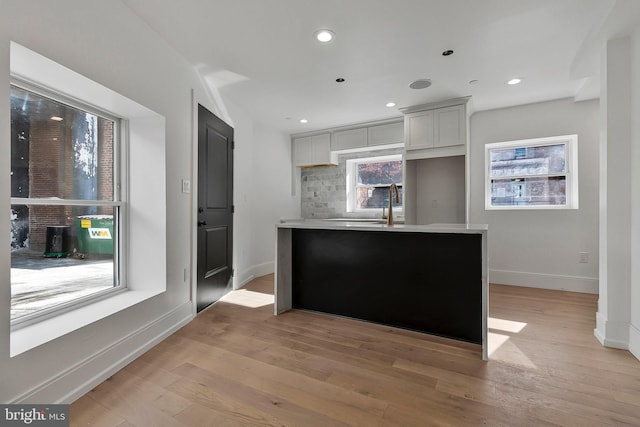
(323, 188)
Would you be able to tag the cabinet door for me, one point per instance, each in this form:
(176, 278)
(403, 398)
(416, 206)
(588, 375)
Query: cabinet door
(346, 139)
(449, 126)
(321, 149)
(391, 133)
(302, 151)
(419, 130)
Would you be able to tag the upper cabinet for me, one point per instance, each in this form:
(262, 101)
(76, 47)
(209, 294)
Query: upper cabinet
(313, 151)
(348, 139)
(449, 126)
(436, 130)
(323, 148)
(419, 130)
(370, 136)
(390, 133)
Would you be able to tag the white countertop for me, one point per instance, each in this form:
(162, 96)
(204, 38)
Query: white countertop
(372, 226)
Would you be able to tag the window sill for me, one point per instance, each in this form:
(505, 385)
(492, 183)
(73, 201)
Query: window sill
(29, 337)
(531, 207)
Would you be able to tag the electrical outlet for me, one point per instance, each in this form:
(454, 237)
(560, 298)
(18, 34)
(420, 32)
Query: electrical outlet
(584, 257)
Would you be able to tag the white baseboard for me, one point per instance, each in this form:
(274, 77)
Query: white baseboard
(611, 334)
(599, 331)
(634, 341)
(255, 271)
(78, 380)
(587, 285)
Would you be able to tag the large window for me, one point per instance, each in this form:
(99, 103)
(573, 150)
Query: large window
(368, 182)
(537, 173)
(65, 203)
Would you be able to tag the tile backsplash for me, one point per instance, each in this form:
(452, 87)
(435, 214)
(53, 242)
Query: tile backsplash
(324, 188)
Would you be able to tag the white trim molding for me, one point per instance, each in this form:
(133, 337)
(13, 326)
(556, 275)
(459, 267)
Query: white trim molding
(634, 341)
(588, 285)
(611, 334)
(254, 271)
(78, 380)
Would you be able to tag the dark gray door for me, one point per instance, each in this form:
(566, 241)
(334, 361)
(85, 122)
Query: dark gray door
(215, 208)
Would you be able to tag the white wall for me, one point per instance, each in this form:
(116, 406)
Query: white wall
(540, 248)
(107, 43)
(271, 194)
(613, 317)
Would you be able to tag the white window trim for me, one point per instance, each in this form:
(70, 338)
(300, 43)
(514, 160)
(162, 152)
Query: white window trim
(350, 167)
(117, 203)
(145, 261)
(571, 144)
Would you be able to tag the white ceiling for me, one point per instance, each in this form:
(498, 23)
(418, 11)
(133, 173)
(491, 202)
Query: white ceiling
(262, 53)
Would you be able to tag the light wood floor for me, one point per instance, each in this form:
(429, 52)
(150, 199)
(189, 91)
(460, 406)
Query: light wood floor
(235, 365)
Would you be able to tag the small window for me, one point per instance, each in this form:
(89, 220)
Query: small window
(368, 182)
(65, 207)
(537, 173)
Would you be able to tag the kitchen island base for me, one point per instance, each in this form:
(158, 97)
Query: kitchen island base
(429, 280)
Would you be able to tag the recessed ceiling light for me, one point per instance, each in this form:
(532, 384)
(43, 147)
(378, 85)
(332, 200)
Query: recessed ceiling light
(340, 80)
(447, 52)
(391, 104)
(514, 81)
(420, 84)
(324, 36)
(304, 121)
(56, 118)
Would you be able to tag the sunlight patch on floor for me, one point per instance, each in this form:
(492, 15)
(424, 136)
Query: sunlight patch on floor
(501, 345)
(248, 298)
(503, 349)
(505, 325)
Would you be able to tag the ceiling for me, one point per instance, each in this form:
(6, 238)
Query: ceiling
(262, 54)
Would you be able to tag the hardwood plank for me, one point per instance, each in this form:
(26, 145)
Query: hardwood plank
(87, 411)
(235, 365)
(122, 395)
(203, 416)
(303, 391)
(244, 402)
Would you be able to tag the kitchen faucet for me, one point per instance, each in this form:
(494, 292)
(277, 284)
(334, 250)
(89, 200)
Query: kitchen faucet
(392, 188)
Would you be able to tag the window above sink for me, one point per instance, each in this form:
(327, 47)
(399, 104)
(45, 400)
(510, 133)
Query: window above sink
(368, 181)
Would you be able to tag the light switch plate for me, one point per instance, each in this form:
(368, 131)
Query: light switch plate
(186, 186)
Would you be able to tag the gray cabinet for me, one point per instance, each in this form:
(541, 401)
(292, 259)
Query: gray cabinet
(419, 130)
(313, 150)
(436, 186)
(348, 139)
(449, 126)
(391, 133)
(368, 136)
(436, 130)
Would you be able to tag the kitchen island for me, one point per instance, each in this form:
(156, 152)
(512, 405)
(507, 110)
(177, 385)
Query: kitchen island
(431, 279)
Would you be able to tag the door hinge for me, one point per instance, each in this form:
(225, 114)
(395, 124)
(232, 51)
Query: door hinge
(233, 208)
(233, 145)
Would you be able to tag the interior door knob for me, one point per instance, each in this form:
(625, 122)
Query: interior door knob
(202, 223)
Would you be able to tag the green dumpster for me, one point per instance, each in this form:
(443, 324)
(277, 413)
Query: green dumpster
(95, 234)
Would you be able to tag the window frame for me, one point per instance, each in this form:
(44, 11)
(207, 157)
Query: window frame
(571, 171)
(351, 181)
(145, 131)
(118, 203)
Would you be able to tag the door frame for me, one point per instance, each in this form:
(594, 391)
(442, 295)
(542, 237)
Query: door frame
(192, 274)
